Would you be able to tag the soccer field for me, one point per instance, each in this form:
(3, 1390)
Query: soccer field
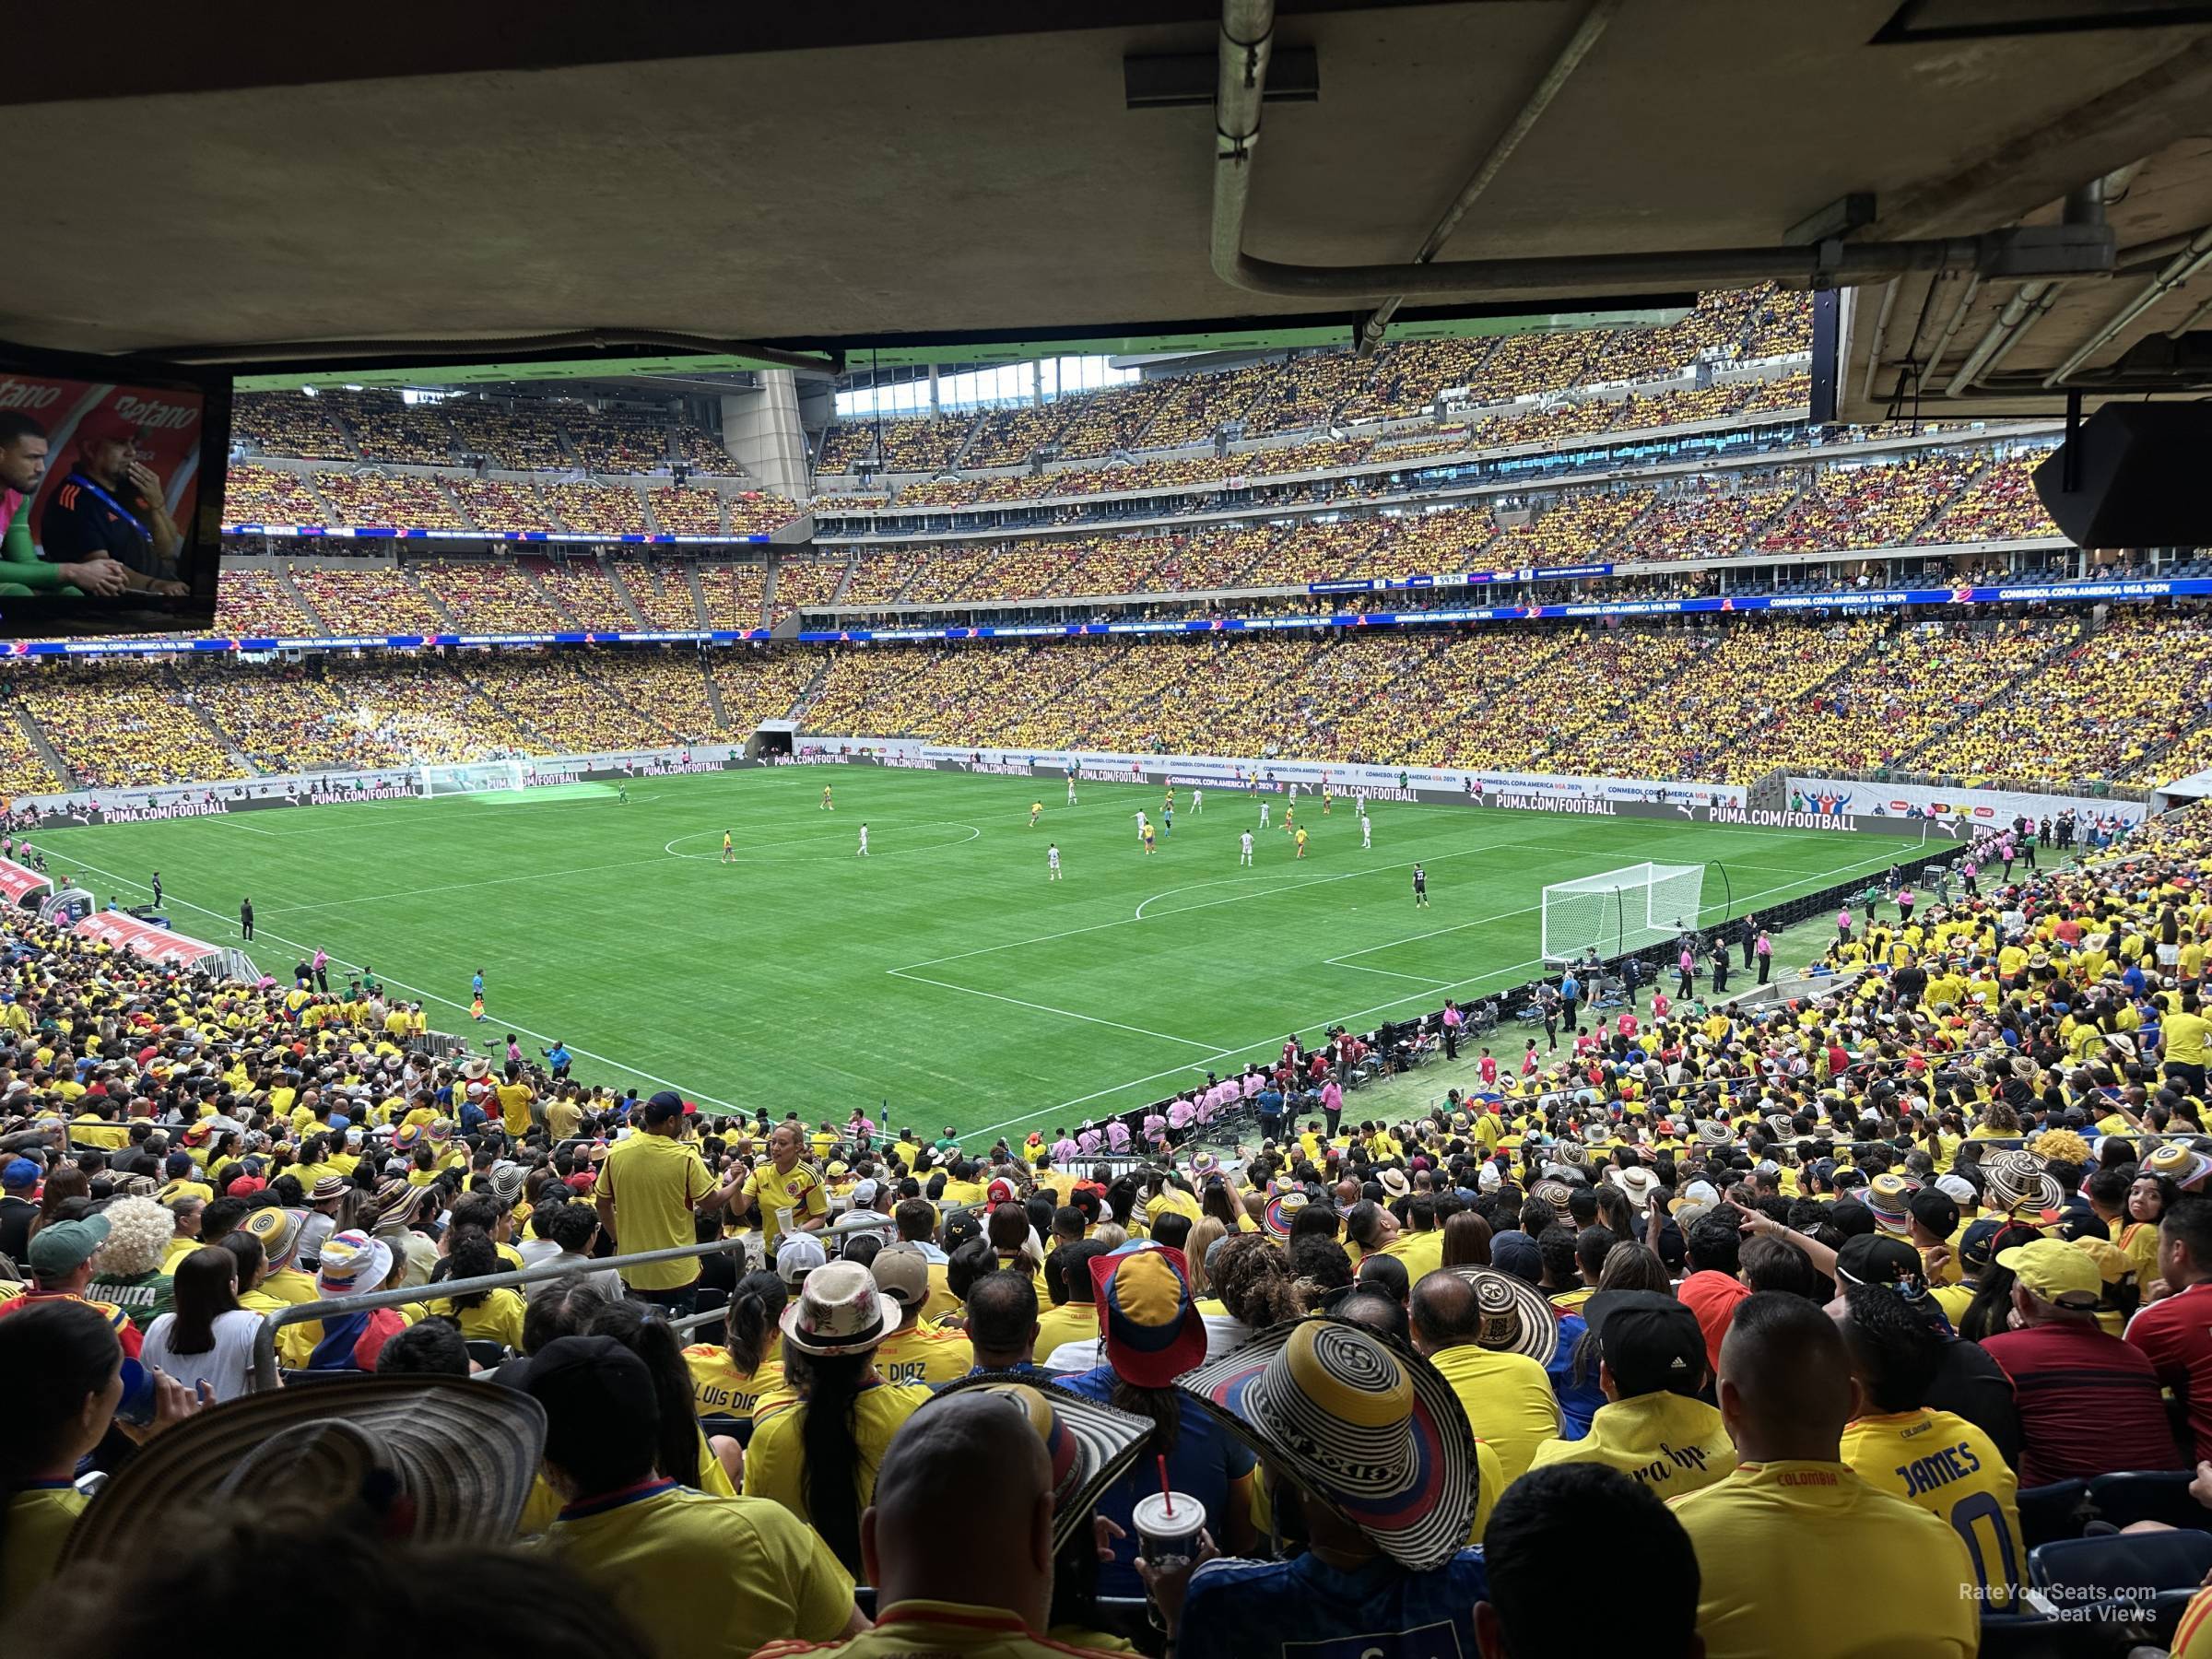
(943, 975)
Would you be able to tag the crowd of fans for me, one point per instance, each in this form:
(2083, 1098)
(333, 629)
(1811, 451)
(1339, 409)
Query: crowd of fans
(523, 436)
(1305, 390)
(1713, 1299)
(2038, 696)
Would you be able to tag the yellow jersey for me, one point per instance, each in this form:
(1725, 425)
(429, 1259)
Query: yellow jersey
(720, 1389)
(39, 1519)
(1767, 1539)
(654, 1181)
(1508, 1399)
(775, 1459)
(1669, 1443)
(780, 1197)
(1944, 1465)
(701, 1574)
(916, 1353)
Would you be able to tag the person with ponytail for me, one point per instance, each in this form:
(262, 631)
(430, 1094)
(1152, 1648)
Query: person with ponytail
(818, 1456)
(686, 1455)
(735, 1379)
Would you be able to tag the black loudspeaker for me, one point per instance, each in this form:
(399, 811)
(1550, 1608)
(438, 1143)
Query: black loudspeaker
(2139, 477)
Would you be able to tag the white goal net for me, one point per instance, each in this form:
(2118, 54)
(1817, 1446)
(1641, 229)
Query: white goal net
(1620, 911)
(477, 777)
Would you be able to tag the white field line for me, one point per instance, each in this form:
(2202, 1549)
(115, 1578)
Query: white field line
(503, 1022)
(1813, 879)
(1047, 1008)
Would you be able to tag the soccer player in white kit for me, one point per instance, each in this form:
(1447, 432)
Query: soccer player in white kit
(1140, 823)
(1071, 789)
(1264, 815)
(863, 852)
(1051, 862)
(1197, 800)
(1245, 856)
(1367, 831)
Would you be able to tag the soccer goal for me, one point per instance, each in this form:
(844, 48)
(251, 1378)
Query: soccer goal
(476, 777)
(1620, 911)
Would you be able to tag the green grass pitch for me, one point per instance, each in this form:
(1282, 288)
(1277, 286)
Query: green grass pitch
(942, 974)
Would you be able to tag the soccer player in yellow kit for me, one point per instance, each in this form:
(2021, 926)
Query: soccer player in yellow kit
(1301, 843)
(828, 805)
(1036, 811)
(1147, 835)
(729, 851)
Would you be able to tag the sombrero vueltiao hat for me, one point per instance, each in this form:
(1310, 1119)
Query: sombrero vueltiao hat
(1090, 1444)
(1361, 1423)
(2014, 1180)
(462, 1454)
(1281, 1214)
(1714, 1134)
(2178, 1162)
(1515, 1317)
(1555, 1193)
(1890, 1197)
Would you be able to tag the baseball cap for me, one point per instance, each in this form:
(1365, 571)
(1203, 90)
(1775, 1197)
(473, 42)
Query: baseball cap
(864, 1193)
(63, 1247)
(2051, 1270)
(1974, 1242)
(799, 1255)
(1650, 1342)
(103, 425)
(663, 1106)
(18, 1173)
(902, 1274)
(584, 1382)
(1875, 1258)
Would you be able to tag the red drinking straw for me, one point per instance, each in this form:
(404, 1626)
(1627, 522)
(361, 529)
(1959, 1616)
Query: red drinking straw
(1165, 1492)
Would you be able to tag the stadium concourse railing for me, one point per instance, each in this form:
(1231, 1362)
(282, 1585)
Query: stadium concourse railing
(265, 1371)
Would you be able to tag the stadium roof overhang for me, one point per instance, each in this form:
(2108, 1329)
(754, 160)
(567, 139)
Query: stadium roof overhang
(748, 182)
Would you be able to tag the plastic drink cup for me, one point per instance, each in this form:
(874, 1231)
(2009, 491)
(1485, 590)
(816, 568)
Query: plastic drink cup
(1168, 1525)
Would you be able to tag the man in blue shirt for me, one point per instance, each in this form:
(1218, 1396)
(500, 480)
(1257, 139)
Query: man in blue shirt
(558, 1058)
(1371, 1462)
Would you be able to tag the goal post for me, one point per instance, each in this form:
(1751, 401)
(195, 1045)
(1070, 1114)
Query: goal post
(1621, 911)
(474, 777)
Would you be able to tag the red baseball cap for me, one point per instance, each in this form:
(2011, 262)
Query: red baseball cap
(104, 426)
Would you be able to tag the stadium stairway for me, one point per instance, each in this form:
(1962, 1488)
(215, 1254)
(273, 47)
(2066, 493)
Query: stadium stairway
(532, 571)
(699, 593)
(284, 579)
(2064, 641)
(613, 569)
(407, 574)
(233, 750)
(722, 714)
(47, 752)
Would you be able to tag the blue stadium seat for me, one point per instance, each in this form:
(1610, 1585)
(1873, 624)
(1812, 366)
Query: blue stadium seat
(2128, 1568)
(2053, 1512)
(2145, 1495)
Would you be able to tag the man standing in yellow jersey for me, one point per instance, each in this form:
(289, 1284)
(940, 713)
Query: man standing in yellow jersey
(789, 1192)
(649, 1186)
(517, 1098)
(1769, 1536)
(1934, 1459)
(984, 1587)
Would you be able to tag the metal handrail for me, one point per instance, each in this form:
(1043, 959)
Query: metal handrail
(265, 1339)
